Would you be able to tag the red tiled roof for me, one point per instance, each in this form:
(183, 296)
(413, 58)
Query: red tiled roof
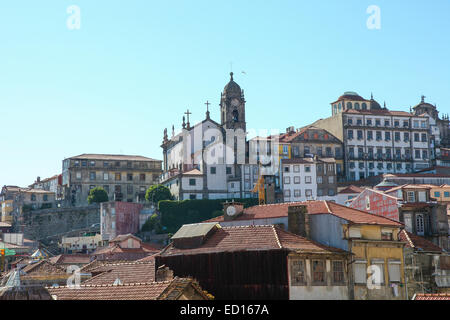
(133, 272)
(96, 263)
(194, 172)
(118, 249)
(417, 242)
(351, 189)
(135, 291)
(249, 238)
(71, 259)
(123, 237)
(314, 207)
(164, 290)
(112, 157)
(432, 296)
(381, 112)
(148, 258)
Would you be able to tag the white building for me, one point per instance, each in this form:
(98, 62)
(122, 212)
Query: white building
(206, 162)
(308, 179)
(377, 140)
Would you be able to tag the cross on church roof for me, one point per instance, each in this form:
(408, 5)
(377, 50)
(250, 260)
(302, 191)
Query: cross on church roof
(188, 113)
(207, 108)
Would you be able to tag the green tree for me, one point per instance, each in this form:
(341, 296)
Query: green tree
(97, 195)
(157, 193)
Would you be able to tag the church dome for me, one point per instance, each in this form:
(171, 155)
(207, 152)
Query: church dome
(351, 95)
(232, 89)
(374, 105)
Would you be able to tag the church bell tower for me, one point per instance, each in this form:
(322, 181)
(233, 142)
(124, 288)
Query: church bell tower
(232, 106)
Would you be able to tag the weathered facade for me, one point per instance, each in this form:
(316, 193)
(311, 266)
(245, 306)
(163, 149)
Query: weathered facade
(427, 267)
(119, 218)
(256, 262)
(124, 178)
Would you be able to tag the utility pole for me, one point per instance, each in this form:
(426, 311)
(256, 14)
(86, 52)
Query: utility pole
(2, 263)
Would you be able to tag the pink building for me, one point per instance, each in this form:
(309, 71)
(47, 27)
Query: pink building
(117, 218)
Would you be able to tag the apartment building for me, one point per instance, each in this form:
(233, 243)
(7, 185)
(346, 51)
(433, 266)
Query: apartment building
(308, 179)
(312, 141)
(377, 140)
(124, 177)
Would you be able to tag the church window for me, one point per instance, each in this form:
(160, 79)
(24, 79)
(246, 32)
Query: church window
(356, 105)
(364, 106)
(349, 105)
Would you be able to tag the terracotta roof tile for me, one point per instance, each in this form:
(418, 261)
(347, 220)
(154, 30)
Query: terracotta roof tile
(135, 272)
(249, 238)
(417, 242)
(135, 291)
(164, 290)
(314, 207)
(112, 157)
(432, 296)
(71, 259)
(351, 189)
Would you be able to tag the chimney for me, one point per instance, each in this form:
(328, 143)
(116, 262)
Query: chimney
(163, 274)
(298, 220)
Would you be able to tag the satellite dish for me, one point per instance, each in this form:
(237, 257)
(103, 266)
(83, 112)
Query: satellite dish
(231, 211)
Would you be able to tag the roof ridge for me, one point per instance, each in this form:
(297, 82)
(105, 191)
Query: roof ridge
(326, 205)
(115, 285)
(276, 236)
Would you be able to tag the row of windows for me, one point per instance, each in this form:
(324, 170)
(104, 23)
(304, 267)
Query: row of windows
(418, 153)
(318, 272)
(297, 193)
(118, 188)
(438, 194)
(308, 179)
(328, 152)
(44, 197)
(213, 170)
(116, 164)
(387, 136)
(387, 123)
(356, 105)
(117, 176)
(361, 273)
(379, 165)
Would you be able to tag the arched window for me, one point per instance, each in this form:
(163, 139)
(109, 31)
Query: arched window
(364, 106)
(235, 116)
(335, 109)
(349, 105)
(356, 105)
(339, 107)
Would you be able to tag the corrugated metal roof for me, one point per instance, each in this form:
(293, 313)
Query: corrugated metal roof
(194, 230)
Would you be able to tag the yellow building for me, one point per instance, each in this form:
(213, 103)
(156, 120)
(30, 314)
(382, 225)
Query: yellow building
(82, 243)
(374, 242)
(440, 193)
(377, 251)
(7, 208)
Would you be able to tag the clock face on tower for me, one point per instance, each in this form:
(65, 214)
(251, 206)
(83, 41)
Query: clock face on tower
(231, 211)
(235, 102)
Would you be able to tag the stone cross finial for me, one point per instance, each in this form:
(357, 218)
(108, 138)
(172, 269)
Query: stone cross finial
(188, 113)
(207, 109)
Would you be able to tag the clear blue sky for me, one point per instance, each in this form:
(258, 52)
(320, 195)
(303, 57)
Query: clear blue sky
(135, 66)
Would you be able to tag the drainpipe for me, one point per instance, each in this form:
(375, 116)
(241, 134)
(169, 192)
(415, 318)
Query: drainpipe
(404, 274)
